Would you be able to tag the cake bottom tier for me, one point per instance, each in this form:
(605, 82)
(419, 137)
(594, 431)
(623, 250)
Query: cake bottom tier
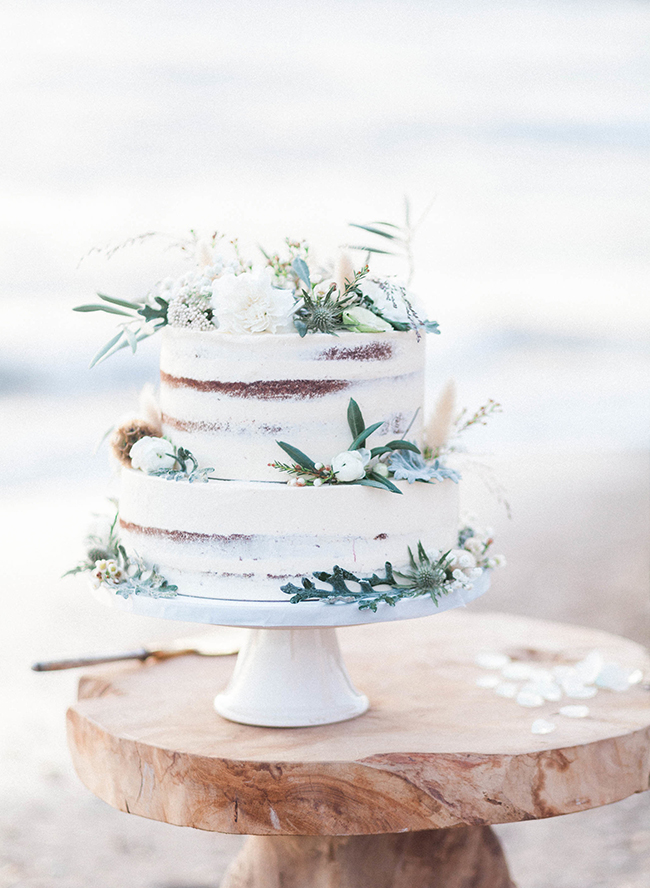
(246, 539)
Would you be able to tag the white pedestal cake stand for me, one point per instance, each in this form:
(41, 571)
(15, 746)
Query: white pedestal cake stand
(289, 671)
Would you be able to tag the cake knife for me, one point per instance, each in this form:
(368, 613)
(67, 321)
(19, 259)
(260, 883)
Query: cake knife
(214, 644)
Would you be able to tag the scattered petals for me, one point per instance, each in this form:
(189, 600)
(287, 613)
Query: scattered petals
(589, 668)
(506, 689)
(491, 660)
(518, 671)
(526, 698)
(541, 726)
(613, 677)
(488, 681)
(574, 711)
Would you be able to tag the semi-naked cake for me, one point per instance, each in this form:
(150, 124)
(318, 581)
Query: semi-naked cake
(228, 399)
(287, 444)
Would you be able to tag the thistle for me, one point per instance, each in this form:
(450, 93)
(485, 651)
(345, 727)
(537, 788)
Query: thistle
(323, 312)
(425, 577)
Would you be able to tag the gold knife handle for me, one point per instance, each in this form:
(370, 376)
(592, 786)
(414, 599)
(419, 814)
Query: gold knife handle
(73, 663)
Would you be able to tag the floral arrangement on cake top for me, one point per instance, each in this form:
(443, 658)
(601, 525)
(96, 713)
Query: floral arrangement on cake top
(224, 293)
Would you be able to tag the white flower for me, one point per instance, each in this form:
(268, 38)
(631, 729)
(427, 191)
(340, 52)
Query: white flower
(152, 454)
(362, 320)
(463, 561)
(248, 303)
(350, 465)
(392, 299)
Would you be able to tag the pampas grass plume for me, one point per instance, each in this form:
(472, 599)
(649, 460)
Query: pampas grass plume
(203, 253)
(149, 409)
(343, 271)
(439, 426)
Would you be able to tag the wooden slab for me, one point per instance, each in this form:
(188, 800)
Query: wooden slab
(433, 751)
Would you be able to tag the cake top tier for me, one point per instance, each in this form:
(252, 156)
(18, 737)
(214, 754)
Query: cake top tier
(229, 398)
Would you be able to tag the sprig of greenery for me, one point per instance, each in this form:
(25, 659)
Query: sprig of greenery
(145, 318)
(137, 578)
(425, 576)
(188, 467)
(396, 240)
(480, 417)
(305, 468)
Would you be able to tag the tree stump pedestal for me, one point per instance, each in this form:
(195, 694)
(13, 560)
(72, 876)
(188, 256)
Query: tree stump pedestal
(400, 797)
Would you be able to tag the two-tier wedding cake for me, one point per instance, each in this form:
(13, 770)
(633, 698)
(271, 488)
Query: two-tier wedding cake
(287, 457)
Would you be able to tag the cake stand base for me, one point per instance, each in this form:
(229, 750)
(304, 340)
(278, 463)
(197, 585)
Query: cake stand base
(290, 678)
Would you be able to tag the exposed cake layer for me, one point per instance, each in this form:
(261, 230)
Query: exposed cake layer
(244, 539)
(228, 398)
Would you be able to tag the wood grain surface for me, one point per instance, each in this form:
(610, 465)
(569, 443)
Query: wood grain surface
(434, 750)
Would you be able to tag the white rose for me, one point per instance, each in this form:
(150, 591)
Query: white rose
(350, 465)
(390, 298)
(152, 454)
(248, 303)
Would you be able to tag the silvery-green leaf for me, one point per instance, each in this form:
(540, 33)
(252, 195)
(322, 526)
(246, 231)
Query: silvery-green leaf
(300, 267)
(105, 308)
(372, 230)
(123, 302)
(105, 349)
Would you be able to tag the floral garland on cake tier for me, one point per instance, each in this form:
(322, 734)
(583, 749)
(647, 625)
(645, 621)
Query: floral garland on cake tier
(433, 574)
(360, 465)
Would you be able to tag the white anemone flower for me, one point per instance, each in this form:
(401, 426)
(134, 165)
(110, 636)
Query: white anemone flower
(350, 465)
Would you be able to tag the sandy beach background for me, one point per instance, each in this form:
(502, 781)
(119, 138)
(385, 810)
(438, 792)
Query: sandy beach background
(527, 124)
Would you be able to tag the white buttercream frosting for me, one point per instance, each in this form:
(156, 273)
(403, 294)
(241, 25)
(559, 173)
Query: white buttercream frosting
(228, 398)
(246, 539)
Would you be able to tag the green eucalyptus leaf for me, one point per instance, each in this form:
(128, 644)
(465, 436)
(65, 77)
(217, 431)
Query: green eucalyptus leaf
(103, 352)
(377, 481)
(297, 456)
(371, 250)
(123, 302)
(361, 438)
(106, 308)
(355, 419)
(372, 230)
(120, 345)
(403, 445)
(300, 267)
(386, 482)
(300, 326)
(131, 339)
